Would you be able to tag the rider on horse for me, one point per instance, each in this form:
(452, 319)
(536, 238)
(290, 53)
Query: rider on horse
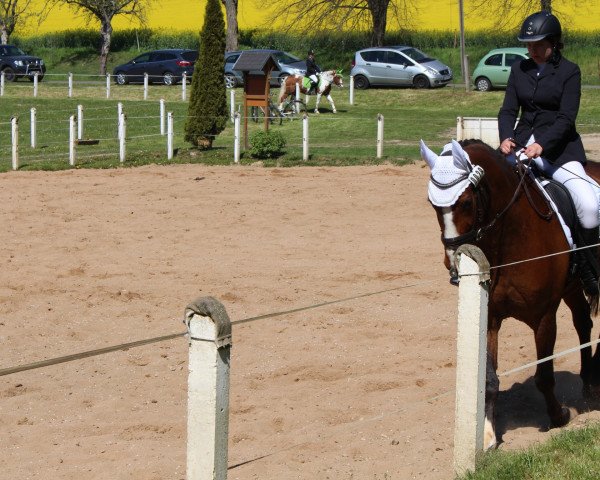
(312, 69)
(546, 88)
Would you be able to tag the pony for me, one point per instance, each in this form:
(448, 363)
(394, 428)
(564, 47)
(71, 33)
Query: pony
(480, 198)
(326, 80)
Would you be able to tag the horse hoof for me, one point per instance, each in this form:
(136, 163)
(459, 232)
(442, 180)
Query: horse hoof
(564, 418)
(316, 111)
(335, 111)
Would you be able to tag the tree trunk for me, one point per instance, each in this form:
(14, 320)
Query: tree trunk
(378, 9)
(546, 5)
(105, 33)
(231, 40)
(4, 35)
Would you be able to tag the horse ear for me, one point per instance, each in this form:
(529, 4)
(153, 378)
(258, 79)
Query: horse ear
(461, 160)
(428, 155)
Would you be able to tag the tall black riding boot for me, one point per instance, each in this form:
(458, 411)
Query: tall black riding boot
(589, 266)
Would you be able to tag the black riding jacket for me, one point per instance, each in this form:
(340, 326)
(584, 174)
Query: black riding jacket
(549, 103)
(311, 67)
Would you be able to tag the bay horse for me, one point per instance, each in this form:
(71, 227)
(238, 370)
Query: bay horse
(326, 80)
(480, 198)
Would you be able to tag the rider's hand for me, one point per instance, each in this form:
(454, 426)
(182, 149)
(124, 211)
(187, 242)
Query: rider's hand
(507, 146)
(533, 151)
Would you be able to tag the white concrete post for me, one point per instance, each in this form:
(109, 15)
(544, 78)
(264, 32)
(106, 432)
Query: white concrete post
(70, 82)
(79, 122)
(305, 137)
(209, 331)
(162, 116)
(170, 136)
(2, 80)
(379, 135)
(122, 134)
(35, 84)
(297, 103)
(33, 129)
(15, 142)
(183, 86)
(119, 116)
(351, 100)
(72, 140)
(471, 356)
(108, 85)
(146, 86)
(232, 104)
(236, 137)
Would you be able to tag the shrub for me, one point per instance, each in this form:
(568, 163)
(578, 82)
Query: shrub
(267, 144)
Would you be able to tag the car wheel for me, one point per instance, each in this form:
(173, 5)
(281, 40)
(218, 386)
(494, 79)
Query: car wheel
(283, 78)
(230, 81)
(361, 82)
(421, 81)
(121, 78)
(168, 78)
(483, 84)
(9, 75)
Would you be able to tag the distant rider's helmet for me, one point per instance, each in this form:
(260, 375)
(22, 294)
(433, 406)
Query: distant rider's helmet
(538, 26)
(311, 52)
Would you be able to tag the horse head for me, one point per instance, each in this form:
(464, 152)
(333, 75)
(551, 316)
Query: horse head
(454, 194)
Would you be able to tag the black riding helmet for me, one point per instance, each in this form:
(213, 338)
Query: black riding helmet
(538, 26)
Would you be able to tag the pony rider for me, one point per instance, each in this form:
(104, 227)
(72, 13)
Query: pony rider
(312, 69)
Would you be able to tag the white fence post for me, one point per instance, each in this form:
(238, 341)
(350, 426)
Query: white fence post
(70, 81)
(35, 84)
(170, 136)
(297, 104)
(162, 116)
(119, 117)
(236, 137)
(470, 357)
(209, 331)
(351, 100)
(232, 104)
(33, 129)
(2, 80)
(15, 142)
(72, 140)
(79, 122)
(122, 134)
(108, 85)
(146, 86)
(183, 86)
(305, 137)
(379, 135)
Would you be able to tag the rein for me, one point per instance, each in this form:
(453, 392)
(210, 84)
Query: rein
(482, 203)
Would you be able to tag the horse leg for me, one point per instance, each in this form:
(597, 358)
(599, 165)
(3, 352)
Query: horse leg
(492, 386)
(331, 103)
(580, 310)
(317, 102)
(545, 337)
(282, 98)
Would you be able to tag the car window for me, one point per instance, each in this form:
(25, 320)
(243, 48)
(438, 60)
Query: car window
(397, 58)
(285, 58)
(494, 60)
(374, 56)
(191, 56)
(142, 58)
(232, 58)
(417, 55)
(511, 58)
(12, 51)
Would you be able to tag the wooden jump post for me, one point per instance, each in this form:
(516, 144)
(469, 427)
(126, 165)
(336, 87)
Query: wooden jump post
(209, 331)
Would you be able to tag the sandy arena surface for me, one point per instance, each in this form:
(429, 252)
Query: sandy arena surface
(359, 389)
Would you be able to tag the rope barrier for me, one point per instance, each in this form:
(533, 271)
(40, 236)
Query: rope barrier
(123, 346)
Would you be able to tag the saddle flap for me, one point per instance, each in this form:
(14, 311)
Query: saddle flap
(564, 202)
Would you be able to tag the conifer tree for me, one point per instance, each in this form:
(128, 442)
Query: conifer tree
(207, 111)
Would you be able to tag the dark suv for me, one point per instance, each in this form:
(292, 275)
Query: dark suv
(162, 66)
(16, 64)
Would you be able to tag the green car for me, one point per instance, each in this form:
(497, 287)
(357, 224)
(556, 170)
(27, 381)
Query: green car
(494, 68)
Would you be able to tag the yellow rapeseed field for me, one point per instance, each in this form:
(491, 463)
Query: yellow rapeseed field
(176, 15)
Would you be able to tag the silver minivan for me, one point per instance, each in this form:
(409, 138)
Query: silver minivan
(398, 66)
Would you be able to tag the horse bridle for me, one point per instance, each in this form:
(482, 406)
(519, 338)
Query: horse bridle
(482, 200)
